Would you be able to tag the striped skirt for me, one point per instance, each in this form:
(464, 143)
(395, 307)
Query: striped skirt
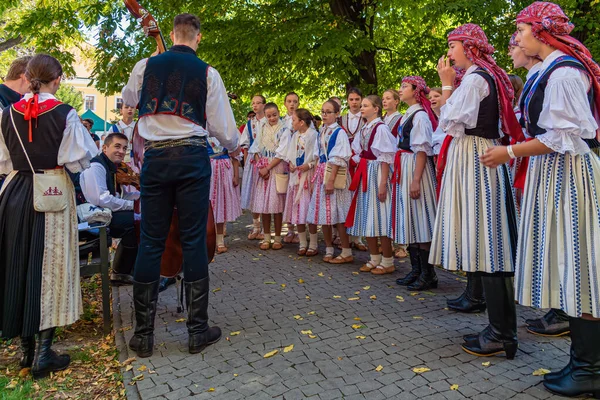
(298, 197)
(249, 181)
(414, 219)
(265, 199)
(372, 217)
(224, 197)
(475, 227)
(558, 255)
(328, 209)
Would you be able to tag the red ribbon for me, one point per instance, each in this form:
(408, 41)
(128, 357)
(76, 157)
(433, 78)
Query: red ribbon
(32, 110)
(397, 174)
(441, 163)
(521, 173)
(361, 174)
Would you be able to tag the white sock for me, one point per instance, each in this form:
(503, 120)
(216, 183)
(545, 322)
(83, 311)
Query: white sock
(267, 237)
(220, 240)
(375, 259)
(329, 251)
(313, 241)
(346, 253)
(302, 237)
(256, 223)
(277, 238)
(387, 262)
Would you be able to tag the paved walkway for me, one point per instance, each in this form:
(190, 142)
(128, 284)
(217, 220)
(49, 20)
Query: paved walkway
(354, 336)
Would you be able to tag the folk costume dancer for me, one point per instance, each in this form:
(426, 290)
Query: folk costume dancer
(250, 177)
(370, 213)
(269, 157)
(176, 173)
(329, 205)
(302, 154)
(291, 103)
(413, 184)
(39, 262)
(224, 189)
(475, 227)
(557, 264)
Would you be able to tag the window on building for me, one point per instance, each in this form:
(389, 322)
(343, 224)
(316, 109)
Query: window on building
(90, 102)
(118, 103)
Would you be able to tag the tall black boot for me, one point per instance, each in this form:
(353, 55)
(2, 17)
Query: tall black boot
(555, 323)
(46, 360)
(583, 377)
(471, 300)
(427, 279)
(501, 333)
(28, 350)
(145, 297)
(200, 334)
(415, 262)
(123, 264)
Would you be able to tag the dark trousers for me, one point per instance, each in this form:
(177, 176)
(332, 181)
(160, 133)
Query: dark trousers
(174, 177)
(121, 227)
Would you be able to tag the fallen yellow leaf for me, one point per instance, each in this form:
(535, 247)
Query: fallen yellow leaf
(128, 361)
(356, 319)
(400, 298)
(366, 287)
(486, 364)
(255, 259)
(540, 372)
(283, 285)
(312, 336)
(357, 292)
(311, 313)
(12, 384)
(271, 354)
(216, 290)
(142, 368)
(361, 337)
(270, 283)
(373, 297)
(300, 280)
(321, 274)
(414, 293)
(357, 326)
(354, 298)
(180, 320)
(235, 374)
(337, 297)
(140, 377)
(421, 298)
(234, 333)
(298, 317)
(211, 390)
(454, 387)
(355, 273)
(420, 370)
(308, 332)
(128, 368)
(307, 297)
(379, 368)
(417, 317)
(288, 348)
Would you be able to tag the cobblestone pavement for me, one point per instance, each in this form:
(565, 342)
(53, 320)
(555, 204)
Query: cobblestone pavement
(359, 323)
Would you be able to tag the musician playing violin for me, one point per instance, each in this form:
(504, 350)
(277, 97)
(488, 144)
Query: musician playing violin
(181, 100)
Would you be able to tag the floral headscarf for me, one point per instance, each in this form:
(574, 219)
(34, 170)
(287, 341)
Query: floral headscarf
(420, 94)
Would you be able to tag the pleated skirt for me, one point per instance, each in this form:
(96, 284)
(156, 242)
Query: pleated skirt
(414, 219)
(328, 209)
(373, 218)
(475, 228)
(265, 199)
(224, 197)
(249, 181)
(297, 200)
(558, 255)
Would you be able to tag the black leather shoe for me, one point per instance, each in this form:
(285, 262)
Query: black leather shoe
(46, 360)
(122, 265)
(165, 283)
(427, 279)
(145, 297)
(488, 343)
(415, 262)
(471, 300)
(583, 376)
(200, 334)
(555, 323)
(28, 350)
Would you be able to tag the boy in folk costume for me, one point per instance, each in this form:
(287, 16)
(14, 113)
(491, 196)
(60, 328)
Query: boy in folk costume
(250, 177)
(302, 154)
(268, 158)
(557, 261)
(475, 226)
(329, 205)
(413, 182)
(370, 213)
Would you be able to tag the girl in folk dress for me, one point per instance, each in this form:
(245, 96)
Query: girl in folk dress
(475, 226)
(224, 189)
(268, 159)
(413, 183)
(370, 213)
(391, 101)
(302, 154)
(250, 177)
(435, 97)
(558, 263)
(291, 102)
(328, 205)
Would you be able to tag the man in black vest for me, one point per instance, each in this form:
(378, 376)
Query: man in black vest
(15, 84)
(181, 100)
(99, 186)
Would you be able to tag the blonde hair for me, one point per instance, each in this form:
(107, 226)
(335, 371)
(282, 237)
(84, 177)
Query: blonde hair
(395, 94)
(376, 102)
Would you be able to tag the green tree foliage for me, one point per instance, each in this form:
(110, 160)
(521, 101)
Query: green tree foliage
(71, 96)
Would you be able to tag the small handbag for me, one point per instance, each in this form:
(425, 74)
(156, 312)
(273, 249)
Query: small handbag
(281, 183)
(50, 191)
(340, 177)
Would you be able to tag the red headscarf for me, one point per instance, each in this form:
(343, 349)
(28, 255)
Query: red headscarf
(513, 41)
(479, 52)
(551, 26)
(420, 94)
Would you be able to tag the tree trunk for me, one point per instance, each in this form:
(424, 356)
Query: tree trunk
(10, 43)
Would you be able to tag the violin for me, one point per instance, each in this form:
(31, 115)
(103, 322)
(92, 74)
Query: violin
(172, 258)
(127, 176)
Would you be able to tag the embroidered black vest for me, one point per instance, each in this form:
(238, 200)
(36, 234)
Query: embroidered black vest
(406, 129)
(8, 96)
(47, 134)
(175, 84)
(488, 118)
(111, 170)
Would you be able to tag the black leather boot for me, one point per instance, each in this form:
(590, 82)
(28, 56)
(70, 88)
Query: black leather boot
(415, 262)
(471, 300)
(46, 360)
(123, 264)
(583, 377)
(555, 323)
(500, 336)
(28, 350)
(200, 334)
(145, 297)
(427, 279)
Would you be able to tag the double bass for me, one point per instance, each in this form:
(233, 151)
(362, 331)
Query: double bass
(172, 258)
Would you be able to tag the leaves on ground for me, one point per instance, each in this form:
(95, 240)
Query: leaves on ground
(361, 337)
(271, 354)
(420, 370)
(366, 287)
(298, 317)
(373, 297)
(454, 387)
(541, 372)
(300, 280)
(312, 336)
(306, 332)
(354, 298)
(288, 348)
(357, 326)
(379, 368)
(355, 273)
(486, 364)
(180, 320)
(271, 283)
(400, 298)
(337, 297)
(216, 290)
(321, 274)
(234, 333)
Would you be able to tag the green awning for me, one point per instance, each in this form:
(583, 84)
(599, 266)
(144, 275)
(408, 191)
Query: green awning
(98, 122)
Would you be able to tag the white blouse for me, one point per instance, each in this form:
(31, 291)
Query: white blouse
(384, 143)
(341, 151)
(300, 144)
(256, 125)
(268, 145)
(437, 139)
(566, 114)
(76, 149)
(422, 131)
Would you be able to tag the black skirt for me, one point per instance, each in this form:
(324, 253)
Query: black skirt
(22, 232)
